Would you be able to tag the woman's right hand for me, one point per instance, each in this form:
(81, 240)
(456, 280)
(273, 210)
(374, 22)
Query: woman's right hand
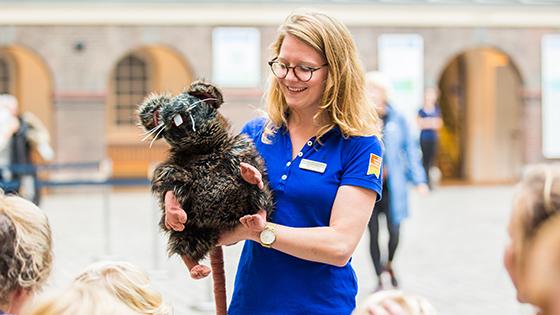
(175, 216)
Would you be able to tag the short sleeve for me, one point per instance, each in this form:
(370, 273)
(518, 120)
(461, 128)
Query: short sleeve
(254, 128)
(363, 163)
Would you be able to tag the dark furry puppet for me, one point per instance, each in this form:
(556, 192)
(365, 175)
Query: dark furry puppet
(203, 171)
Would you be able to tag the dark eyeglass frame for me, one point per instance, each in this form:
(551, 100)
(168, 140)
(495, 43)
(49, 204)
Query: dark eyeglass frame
(312, 69)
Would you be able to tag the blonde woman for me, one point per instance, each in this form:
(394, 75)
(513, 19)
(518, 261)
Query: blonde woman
(128, 283)
(25, 251)
(323, 153)
(395, 302)
(535, 208)
(79, 299)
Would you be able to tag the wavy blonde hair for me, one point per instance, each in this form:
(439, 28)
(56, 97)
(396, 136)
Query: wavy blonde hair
(538, 199)
(344, 103)
(128, 283)
(25, 246)
(78, 299)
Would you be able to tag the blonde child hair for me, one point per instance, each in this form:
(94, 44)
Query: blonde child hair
(410, 304)
(344, 103)
(25, 247)
(543, 268)
(79, 299)
(128, 283)
(537, 200)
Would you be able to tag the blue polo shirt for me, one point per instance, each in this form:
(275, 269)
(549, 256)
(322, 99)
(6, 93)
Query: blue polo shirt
(271, 282)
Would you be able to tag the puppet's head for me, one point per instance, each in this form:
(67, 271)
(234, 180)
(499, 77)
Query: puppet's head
(190, 118)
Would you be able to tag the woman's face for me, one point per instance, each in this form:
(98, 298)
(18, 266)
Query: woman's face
(302, 96)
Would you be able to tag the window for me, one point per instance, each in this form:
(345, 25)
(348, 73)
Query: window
(4, 76)
(130, 86)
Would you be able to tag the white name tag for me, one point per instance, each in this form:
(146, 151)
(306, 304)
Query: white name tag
(314, 166)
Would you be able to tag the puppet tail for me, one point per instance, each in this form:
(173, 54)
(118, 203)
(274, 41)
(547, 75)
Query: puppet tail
(218, 274)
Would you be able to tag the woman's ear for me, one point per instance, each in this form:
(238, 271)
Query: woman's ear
(207, 92)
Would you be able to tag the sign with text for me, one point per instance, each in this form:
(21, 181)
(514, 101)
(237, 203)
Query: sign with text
(551, 95)
(236, 57)
(401, 59)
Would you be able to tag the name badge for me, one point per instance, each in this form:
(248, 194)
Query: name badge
(313, 166)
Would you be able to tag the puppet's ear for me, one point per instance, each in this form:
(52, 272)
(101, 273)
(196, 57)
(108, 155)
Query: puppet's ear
(148, 111)
(207, 92)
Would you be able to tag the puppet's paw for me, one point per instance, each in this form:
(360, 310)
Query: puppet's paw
(200, 272)
(251, 175)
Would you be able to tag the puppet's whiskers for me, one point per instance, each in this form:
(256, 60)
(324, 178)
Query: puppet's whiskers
(156, 136)
(152, 131)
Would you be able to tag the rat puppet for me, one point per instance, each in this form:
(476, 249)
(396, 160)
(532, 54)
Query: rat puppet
(203, 171)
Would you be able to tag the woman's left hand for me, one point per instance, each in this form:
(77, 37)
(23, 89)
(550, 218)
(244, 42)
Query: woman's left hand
(249, 229)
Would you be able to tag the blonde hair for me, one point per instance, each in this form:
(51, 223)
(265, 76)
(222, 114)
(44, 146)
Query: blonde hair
(78, 299)
(538, 199)
(128, 283)
(411, 304)
(25, 246)
(344, 103)
(543, 265)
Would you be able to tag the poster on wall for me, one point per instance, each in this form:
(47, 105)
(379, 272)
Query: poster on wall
(551, 95)
(236, 57)
(401, 59)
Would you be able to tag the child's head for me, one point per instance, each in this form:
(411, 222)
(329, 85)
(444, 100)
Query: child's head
(79, 299)
(128, 283)
(407, 304)
(537, 200)
(25, 248)
(543, 268)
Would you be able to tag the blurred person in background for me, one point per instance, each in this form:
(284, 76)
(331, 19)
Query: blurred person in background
(394, 302)
(128, 283)
(536, 209)
(401, 165)
(19, 134)
(25, 252)
(429, 121)
(321, 146)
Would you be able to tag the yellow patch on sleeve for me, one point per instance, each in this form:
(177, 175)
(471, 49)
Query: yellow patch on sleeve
(374, 166)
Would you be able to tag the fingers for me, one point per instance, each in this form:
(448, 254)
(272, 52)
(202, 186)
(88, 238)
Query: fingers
(388, 307)
(255, 222)
(394, 308)
(251, 174)
(377, 310)
(175, 216)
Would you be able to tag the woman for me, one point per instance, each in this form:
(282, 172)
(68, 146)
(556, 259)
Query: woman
(429, 121)
(402, 165)
(25, 252)
(323, 154)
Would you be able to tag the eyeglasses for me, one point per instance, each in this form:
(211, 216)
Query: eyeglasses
(303, 73)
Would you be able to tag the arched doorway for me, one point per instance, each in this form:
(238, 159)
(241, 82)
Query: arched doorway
(134, 76)
(25, 75)
(480, 103)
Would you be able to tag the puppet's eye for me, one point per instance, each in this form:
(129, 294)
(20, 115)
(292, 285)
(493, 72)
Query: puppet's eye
(178, 120)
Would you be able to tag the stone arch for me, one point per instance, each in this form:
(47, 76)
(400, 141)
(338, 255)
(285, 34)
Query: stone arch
(32, 84)
(481, 103)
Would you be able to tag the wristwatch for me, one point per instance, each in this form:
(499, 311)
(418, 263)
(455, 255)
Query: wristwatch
(268, 235)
